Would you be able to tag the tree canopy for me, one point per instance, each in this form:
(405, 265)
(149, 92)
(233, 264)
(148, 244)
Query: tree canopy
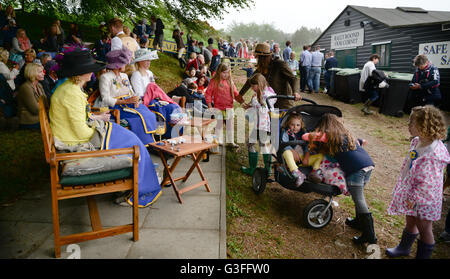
(188, 12)
(262, 32)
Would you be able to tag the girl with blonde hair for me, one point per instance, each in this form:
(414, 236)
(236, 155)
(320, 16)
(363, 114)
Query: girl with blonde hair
(418, 193)
(261, 132)
(222, 92)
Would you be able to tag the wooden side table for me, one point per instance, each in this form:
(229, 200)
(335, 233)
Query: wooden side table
(194, 146)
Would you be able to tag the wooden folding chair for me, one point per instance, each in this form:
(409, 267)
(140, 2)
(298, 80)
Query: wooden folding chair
(128, 181)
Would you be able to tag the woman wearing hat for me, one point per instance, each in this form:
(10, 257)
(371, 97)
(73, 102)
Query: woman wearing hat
(116, 92)
(143, 76)
(68, 121)
(278, 75)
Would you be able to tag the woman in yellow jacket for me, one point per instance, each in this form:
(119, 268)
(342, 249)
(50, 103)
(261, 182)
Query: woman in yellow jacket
(69, 112)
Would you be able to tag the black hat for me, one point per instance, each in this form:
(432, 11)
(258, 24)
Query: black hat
(79, 62)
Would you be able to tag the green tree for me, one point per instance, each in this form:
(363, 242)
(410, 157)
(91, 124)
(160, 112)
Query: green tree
(190, 13)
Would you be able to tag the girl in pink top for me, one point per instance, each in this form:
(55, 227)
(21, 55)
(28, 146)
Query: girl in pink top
(418, 193)
(221, 91)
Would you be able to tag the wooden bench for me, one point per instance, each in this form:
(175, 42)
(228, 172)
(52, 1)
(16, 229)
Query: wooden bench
(62, 192)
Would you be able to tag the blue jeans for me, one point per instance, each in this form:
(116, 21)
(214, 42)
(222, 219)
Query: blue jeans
(355, 185)
(327, 77)
(314, 78)
(372, 95)
(304, 72)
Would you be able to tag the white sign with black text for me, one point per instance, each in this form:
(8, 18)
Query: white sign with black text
(349, 39)
(437, 53)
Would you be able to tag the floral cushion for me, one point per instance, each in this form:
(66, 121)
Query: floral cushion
(85, 166)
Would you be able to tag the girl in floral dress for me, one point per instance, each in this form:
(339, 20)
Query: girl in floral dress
(261, 133)
(418, 192)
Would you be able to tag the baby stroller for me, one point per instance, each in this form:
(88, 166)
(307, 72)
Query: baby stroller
(319, 212)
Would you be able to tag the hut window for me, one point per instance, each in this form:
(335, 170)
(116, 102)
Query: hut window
(384, 50)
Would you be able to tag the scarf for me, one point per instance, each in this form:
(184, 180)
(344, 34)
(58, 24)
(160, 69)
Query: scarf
(24, 43)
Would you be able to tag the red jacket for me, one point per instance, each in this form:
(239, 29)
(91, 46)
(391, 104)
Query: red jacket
(222, 96)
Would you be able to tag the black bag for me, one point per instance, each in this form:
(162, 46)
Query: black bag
(374, 80)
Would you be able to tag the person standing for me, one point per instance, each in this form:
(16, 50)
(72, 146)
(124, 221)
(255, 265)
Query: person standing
(418, 192)
(305, 66)
(276, 51)
(293, 64)
(316, 69)
(287, 51)
(181, 48)
(159, 35)
(120, 38)
(424, 89)
(205, 52)
(278, 75)
(330, 63)
(366, 72)
(210, 46)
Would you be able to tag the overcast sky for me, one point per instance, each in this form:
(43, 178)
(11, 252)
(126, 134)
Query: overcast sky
(289, 15)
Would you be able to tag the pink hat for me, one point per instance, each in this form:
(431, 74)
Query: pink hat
(118, 58)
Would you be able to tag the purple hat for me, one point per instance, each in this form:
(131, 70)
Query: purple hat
(118, 58)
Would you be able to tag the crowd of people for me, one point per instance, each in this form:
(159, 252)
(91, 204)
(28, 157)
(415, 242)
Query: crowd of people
(61, 69)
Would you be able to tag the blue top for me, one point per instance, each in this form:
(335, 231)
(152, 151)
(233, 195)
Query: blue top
(331, 63)
(305, 58)
(316, 59)
(287, 53)
(290, 136)
(429, 79)
(352, 161)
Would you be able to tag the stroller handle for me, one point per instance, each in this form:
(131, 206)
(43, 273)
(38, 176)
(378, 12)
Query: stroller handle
(288, 98)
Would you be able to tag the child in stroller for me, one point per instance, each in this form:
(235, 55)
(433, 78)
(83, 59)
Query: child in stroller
(318, 213)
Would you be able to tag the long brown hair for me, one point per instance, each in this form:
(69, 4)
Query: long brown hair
(263, 64)
(260, 80)
(336, 133)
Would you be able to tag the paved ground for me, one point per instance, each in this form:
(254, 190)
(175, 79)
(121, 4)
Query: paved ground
(195, 229)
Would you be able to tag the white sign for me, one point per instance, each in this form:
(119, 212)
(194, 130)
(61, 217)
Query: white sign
(437, 53)
(348, 39)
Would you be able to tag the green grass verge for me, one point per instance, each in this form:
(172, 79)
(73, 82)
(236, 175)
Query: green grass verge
(23, 164)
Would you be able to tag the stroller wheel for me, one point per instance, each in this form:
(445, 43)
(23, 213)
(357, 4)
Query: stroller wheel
(259, 180)
(315, 216)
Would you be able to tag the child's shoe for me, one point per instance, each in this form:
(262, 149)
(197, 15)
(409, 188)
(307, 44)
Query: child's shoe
(299, 177)
(315, 176)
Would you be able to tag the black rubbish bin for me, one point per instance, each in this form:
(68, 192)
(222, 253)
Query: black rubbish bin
(394, 98)
(332, 91)
(347, 86)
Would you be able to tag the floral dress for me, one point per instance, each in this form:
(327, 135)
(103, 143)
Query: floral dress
(418, 191)
(333, 174)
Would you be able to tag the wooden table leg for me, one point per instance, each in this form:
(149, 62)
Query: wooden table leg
(200, 171)
(196, 159)
(169, 173)
(165, 180)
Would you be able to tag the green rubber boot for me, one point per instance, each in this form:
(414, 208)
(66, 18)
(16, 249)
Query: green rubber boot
(267, 163)
(253, 162)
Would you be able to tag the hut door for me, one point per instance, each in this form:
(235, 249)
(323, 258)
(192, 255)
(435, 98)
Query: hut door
(346, 58)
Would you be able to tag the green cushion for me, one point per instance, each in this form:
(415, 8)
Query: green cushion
(96, 177)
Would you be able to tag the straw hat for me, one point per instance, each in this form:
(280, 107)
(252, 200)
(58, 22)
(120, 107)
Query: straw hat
(144, 54)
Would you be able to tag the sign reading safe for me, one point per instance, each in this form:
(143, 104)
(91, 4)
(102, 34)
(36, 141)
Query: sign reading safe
(437, 53)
